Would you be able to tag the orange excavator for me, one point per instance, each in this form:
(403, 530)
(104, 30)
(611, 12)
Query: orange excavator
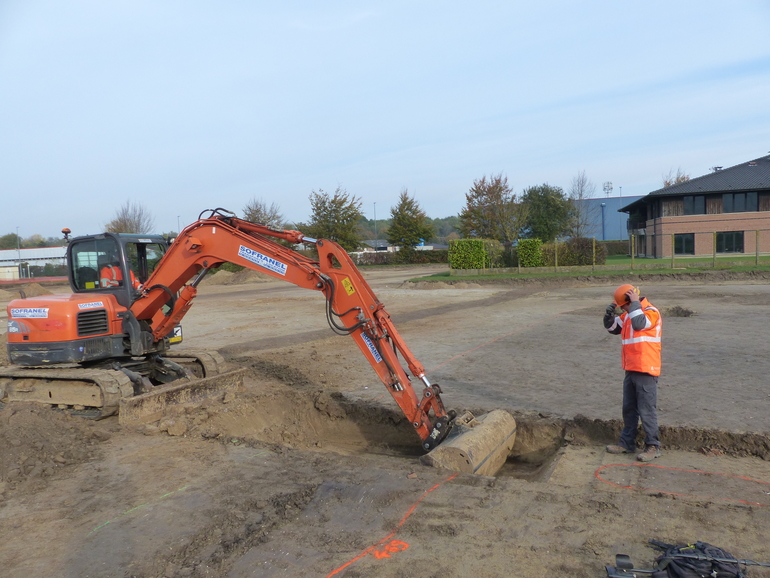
(111, 339)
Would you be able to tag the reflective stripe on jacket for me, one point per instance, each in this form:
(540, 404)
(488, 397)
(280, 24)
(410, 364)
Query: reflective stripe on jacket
(641, 347)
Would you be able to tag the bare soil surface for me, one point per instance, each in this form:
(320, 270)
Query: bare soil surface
(310, 470)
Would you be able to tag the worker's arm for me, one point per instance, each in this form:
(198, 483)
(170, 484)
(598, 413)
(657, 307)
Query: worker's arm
(641, 318)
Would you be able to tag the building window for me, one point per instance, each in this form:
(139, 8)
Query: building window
(694, 205)
(752, 203)
(739, 202)
(684, 244)
(730, 242)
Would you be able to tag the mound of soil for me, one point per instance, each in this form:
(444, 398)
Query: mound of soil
(440, 285)
(36, 443)
(675, 277)
(35, 290)
(240, 278)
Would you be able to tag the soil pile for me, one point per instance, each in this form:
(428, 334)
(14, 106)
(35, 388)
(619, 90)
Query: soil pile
(240, 278)
(36, 443)
(35, 290)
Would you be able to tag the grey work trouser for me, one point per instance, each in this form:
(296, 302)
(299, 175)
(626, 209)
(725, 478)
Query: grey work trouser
(640, 400)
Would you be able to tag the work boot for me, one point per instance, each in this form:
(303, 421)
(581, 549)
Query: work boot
(617, 449)
(649, 454)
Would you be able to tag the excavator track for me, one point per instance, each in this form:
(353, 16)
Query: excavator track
(98, 393)
(200, 363)
(94, 392)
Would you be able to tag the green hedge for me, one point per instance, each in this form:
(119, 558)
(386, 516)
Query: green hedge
(390, 258)
(574, 252)
(530, 253)
(468, 254)
(615, 247)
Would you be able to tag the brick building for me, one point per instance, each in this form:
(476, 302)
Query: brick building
(725, 211)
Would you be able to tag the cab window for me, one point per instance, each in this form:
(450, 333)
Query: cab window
(89, 258)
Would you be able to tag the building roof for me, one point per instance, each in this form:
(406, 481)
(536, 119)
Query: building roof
(32, 254)
(748, 176)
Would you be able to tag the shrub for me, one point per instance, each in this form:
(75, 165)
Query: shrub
(467, 254)
(494, 250)
(580, 250)
(409, 256)
(389, 258)
(529, 252)
(614, 247)
(577, 251)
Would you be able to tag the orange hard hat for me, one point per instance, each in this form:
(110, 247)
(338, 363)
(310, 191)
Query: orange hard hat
(620, 293)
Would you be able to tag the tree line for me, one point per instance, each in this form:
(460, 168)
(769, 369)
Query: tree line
(492, 210)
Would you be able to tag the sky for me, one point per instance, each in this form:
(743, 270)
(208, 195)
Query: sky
(183, 106)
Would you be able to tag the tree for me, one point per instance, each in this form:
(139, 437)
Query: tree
(131, 218)
(548, 212)
(492, 211)
(675, 178)
(409, 223)
(257, 211)
(10, 241)
(584, 215)
(335, 217)
(446, 228)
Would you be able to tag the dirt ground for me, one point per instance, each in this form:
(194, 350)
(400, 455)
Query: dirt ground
(310, 471)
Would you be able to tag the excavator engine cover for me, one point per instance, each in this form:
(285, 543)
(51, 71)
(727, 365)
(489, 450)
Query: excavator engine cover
(476, 445)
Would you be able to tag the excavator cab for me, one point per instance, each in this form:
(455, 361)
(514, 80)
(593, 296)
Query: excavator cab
(102, 263)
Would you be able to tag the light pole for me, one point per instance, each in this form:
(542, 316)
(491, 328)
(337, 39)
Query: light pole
(375, 226)
(604, 205)
(18, 249)
(177, 224)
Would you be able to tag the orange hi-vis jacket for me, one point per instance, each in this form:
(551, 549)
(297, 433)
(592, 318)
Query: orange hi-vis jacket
(641, 347)
(112, 276)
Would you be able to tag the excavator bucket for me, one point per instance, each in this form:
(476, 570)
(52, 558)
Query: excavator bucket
(476, 445)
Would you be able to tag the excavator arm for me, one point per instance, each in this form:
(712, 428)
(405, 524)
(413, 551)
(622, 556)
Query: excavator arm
(352, 308)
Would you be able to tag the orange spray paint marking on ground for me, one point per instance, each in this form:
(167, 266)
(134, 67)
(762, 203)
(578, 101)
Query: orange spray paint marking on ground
(384, 550)
(390, 548)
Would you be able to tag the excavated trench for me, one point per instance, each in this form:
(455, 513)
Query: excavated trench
(294, 413)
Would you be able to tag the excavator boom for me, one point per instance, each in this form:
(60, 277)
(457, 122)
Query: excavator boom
(352, 307)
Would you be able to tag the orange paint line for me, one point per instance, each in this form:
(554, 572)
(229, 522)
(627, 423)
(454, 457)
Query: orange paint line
(498, 338)
(598, 476)
(409, 512)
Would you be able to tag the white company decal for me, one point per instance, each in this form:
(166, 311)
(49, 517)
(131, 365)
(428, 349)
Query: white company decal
(372, 348)
(30, 313)
(93, 305)
(262, 260)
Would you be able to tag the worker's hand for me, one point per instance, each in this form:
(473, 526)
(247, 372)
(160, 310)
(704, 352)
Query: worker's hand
(632, 295)
(609, 316)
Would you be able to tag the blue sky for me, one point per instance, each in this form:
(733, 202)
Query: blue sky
(187, 105)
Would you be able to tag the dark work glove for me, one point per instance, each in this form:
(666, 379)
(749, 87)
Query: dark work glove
(609, 316)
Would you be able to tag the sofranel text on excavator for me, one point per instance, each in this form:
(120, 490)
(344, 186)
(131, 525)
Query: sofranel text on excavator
(111, 340)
